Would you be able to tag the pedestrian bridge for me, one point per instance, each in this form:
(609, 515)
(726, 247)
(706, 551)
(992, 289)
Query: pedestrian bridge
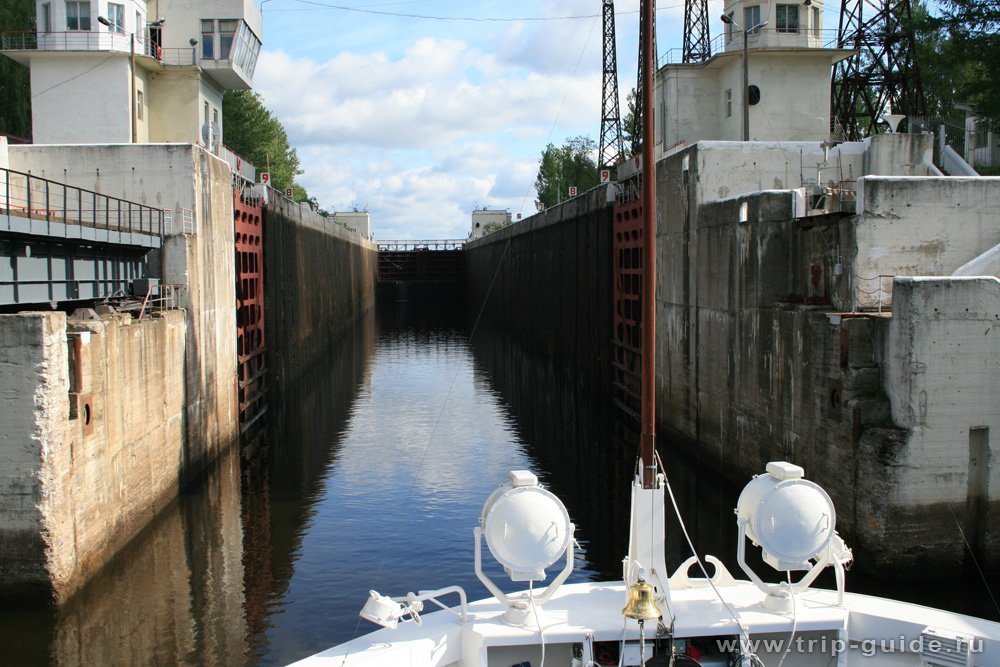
(59, 242)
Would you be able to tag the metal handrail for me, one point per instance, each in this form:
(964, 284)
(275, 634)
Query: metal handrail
(36, 198)
(803, 37)
(438, 244)
(97, 40)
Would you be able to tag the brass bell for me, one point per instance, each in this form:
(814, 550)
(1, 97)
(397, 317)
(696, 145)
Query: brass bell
(641, 604)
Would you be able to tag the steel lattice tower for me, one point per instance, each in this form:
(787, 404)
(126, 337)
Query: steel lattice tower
(612, 149)
(637, 137)
(883, 75)
(697, 45)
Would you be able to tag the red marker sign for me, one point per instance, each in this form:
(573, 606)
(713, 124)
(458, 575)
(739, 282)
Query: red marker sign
(572, 191)
(265, 177)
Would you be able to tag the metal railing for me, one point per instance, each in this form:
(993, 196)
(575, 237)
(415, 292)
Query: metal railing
(97, 40)
(38, 199)
(439, 244)
(242, 168)
(770, 37)
(873, 293)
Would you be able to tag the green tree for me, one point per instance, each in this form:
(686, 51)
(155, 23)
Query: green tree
(958, 49)
(571, 164)
(15, 87)
(253, 132)
(630, 123)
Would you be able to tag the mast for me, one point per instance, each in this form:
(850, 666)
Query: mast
(647, 446)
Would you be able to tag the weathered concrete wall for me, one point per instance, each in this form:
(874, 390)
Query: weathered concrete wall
(185, 580)
(188, 182)
(318, 278)
(941, 366)
(105, 500)
(547, 279)
(99, 452)
(34, 401)
(756, 364)
(923, 226)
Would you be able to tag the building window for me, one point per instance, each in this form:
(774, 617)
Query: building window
(46, 18)
(751, 19)
(77, 15)
(116, 17)
(787, 18)
(215, 117)
(206, 113)
(245, 50)
(138, 104)
(729, 103)
(227, 30)
(208, 41)
(816, 18)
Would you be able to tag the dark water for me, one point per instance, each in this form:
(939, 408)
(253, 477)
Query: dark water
(372, 475)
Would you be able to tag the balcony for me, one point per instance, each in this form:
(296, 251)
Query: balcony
(763, 38)
(19, 45)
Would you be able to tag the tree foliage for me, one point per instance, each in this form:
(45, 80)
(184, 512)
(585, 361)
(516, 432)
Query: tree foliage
(630, 123)
(253, 132)
(571, 164)
(958, 49)
(15, 87)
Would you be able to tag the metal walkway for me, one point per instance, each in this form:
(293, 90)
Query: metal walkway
(63, 243)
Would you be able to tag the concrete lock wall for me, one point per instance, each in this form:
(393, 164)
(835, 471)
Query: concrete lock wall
(547, 279)
(195, 189)
(318, 278)
(198, 257)
(93, 452)
(942, 374)
(756, 363)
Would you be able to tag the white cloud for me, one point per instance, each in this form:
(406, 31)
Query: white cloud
(421, 121)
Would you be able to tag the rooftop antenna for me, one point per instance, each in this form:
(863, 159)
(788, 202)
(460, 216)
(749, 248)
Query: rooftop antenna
(882, 75)
(697, 45)
(612, 149)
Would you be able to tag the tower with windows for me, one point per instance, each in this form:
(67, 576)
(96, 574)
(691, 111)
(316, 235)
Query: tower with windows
(789, 60)
(136, 71)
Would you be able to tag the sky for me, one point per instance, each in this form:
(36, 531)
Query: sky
(422, 120)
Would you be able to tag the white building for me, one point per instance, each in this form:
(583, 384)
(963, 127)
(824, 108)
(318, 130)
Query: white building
(356, 221)
(789, 79)
(136, 71)
(485, 221)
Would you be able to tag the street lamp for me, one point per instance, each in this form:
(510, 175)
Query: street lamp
(728, 20)
(135, 121)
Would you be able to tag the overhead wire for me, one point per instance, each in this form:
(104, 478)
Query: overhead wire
(470, 19)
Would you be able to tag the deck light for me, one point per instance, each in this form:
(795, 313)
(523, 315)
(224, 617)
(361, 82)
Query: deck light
(794, 523)
(527, 529)
(390, 612)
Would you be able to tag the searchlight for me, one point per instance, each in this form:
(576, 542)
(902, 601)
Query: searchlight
(793, 521)
(527, 529)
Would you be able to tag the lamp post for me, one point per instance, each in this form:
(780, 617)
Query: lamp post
(746, 71)
(131, 38)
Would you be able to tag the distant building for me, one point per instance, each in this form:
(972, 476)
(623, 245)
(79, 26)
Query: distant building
(136, 71)
(789, 80)
(486, 221)
(358, 221)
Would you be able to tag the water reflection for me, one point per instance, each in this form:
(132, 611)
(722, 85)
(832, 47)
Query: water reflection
(175, 595)
(372, 475)
(425, 441)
